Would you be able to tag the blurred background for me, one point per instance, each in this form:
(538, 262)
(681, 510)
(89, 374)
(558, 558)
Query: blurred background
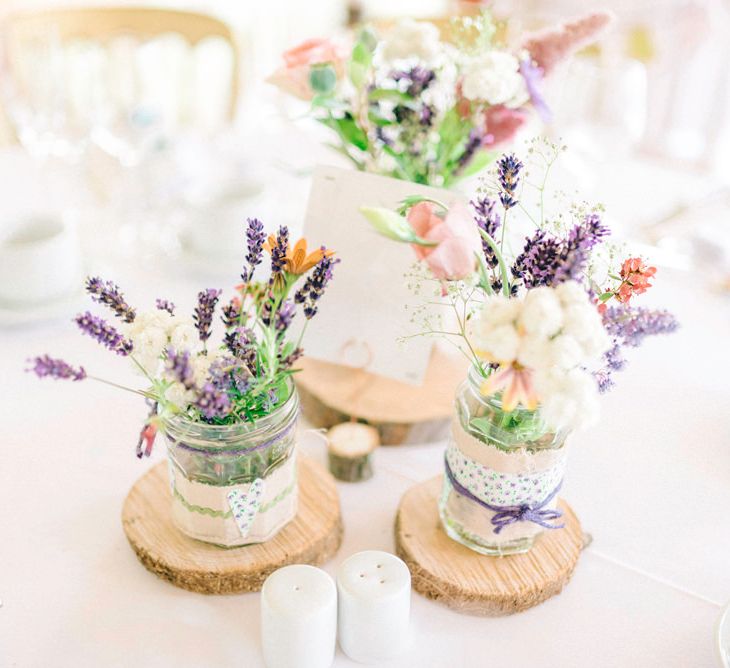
(142, 135)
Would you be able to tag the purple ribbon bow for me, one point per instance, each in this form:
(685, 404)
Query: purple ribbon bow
(506, 515)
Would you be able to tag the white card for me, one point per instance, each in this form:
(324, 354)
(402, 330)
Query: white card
(363, 312)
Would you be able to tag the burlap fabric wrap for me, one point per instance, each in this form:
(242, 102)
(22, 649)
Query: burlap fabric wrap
(500, 478)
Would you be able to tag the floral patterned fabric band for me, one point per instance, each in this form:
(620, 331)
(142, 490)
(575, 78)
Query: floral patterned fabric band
(511, 497)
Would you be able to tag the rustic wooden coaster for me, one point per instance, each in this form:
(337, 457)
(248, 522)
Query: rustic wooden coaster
(334, 393)
(312, 537)
(472, 583)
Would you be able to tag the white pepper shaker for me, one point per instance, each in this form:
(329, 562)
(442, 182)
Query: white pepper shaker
(374, 602)
(299, 618)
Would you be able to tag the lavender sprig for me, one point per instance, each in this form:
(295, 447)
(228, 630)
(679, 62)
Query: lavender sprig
(508, 175)
(285, 315)
(278, 253)
(314, 286)
(104, 333)
(630, 326)
(231, 314)
(473, 142)
(179, 367)
(212, 402)
(416, 80)
(487, 219)
(203, 314)
(241, 342)
(165, 305)
(576, 249)
(539, 260)
(255, 238)
(108, 293)
(45, 366)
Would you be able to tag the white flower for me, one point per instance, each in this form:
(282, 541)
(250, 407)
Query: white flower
(533, 352)
(201, 364)
(495, 78)
(541, 314)
(180, 396)
(565, 352)
(148, 346)
(182, 334)
(412, 39)
(583, 323)
(502, 344)
(571, 292)
(569, 399)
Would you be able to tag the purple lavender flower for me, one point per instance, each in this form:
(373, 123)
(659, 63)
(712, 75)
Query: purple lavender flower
(473, 142)
(532, 74)
(539, 260)
(417, 79)
(278, 253)
(203, 314)
(179, 367)
(45, 366)
(613, 358)
(104, 333)
(285, 315)
(165, 305)
(255, 238)
(231, 314)
(314, 286)
(107, 293)
(487, 219)
(576, 249)
(427, 114)
(508, 174)
(212, 402)
(382, 135)
(288, 361)
(226, 372)
(241, 342)
(630, 326)
(603, 380)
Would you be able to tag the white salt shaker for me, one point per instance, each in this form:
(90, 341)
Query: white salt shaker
(374, 602)
(299, 618)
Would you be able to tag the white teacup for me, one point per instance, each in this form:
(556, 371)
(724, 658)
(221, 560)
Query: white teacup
(40, 259)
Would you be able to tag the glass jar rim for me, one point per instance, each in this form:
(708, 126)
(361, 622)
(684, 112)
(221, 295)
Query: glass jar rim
(281, 417)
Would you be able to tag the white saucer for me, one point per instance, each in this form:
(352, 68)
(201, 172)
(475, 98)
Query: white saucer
(65, 306)
(722, 638)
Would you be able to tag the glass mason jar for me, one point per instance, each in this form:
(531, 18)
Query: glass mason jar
(213, 469)
(502, 474)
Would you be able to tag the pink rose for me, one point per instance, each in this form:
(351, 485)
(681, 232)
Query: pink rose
(293, 78)
(456, 236)
(502, 124)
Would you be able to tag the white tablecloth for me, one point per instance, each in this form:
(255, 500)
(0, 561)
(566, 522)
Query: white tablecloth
(651, 483)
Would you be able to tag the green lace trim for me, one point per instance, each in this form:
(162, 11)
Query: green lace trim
(226, 514)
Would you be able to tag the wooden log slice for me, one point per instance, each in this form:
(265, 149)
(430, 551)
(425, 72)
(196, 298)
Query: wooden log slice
(334, 393)
(312, 537)
(471, 583)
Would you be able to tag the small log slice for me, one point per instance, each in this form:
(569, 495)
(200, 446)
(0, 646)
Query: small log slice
(312, 537)
(349, 446)
(472, 583)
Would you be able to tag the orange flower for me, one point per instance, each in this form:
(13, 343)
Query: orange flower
(297, 261)
(635, 277)
(515, 381)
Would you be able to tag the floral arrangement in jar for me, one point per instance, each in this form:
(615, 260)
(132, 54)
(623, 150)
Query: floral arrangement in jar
(414, 107)
(544, 328)
(228, 410)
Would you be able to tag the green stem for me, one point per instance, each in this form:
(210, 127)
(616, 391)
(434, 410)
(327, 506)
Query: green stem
(502, 266)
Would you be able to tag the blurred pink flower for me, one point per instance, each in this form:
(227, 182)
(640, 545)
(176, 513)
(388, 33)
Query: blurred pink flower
(501, 124)
(453, 258)
(551, 46)
(293, 77)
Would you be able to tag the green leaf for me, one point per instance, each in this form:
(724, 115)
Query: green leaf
(484, 282)
(606, 296)
(393, 225)
(359, 64)
(502, 266)
(350, 131)
(479, 161)
(388, 94)
(322, 78)
(327, 102)
(368, 39)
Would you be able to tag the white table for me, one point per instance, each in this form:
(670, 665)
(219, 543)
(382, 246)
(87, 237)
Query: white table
(651, 483)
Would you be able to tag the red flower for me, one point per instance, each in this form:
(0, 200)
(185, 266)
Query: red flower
(635, 277)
